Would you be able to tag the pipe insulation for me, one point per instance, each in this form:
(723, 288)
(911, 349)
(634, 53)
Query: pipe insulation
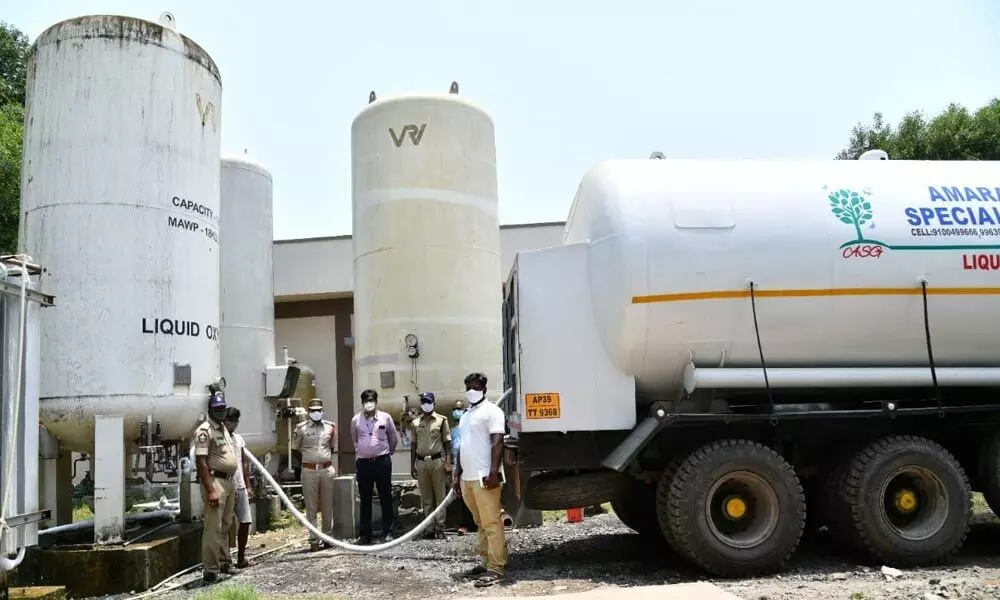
(373, 549)
(849, 377)
(89, 523)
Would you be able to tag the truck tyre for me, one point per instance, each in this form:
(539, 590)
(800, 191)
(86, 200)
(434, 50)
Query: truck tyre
(836, 511)
(663, 504)
(989, 472)
(910, 501)
(637, 510)
(736, 509)
(559, 491)
(814, 515)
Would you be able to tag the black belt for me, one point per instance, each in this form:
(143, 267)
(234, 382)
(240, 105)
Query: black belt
(373, 459)
(221, 475)
(431, 456)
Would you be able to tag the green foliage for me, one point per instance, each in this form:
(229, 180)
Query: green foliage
(82, 510)
(954, 134)
(13, 55)
(13, 60)
(230, 592)
(11, 138)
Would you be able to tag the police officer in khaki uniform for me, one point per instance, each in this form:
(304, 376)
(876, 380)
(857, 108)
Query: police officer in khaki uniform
(215, 457)
(430, 457)
(314, 442)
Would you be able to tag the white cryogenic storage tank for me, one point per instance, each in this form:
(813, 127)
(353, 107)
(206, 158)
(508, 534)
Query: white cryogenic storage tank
(247, 273)
(426, 249)
(120, 201)
(836, 251)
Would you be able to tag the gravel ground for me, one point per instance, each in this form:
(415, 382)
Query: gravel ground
(563, 558)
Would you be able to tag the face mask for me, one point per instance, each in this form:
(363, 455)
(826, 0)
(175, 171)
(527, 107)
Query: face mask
(474, 397)
(457, 414)
(218, 414)
(369, 406)
(427, 408)
(316, 415)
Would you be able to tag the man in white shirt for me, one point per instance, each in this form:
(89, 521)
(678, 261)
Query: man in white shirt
(243, 488)
(479, 477)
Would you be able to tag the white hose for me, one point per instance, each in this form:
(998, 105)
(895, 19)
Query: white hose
(344, 545)
(335, 542)
(5, 563)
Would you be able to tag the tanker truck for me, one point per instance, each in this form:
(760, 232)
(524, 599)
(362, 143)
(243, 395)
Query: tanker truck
(733, 351)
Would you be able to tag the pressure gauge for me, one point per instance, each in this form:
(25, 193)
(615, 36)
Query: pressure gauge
(410, 340)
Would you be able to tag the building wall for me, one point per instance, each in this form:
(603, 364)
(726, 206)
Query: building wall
(313, 294)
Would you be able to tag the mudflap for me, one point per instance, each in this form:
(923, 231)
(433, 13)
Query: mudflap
(512, 496)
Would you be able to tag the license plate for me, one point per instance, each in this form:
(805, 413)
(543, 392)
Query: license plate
(541, 406)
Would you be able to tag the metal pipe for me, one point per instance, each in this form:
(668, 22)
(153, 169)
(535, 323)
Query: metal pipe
(149, 533)
(878, 377)
(89, 523)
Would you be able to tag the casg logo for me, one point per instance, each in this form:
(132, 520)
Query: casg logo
(416, 134)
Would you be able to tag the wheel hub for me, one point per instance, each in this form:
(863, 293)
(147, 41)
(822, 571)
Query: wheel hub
(735, 507)
(741, 509)
(906, 501)
(914, 502)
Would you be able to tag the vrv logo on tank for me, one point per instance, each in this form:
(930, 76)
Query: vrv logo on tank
(416, 134)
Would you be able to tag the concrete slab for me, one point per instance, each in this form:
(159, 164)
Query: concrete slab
(678, 591)
(37, 593)
(87, 571)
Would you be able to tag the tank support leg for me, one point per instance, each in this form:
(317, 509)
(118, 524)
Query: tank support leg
(55, 480)
(109, 479)
(191, 505)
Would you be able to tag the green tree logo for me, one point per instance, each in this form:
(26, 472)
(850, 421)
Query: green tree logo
(853, 209)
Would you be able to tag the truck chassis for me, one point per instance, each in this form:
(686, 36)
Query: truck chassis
(730, 479)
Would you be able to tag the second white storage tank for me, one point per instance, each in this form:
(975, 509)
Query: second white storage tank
(247, 296)
(426, 248)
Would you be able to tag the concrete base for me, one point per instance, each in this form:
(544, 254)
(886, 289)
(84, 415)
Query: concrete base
(37, 593)
(345, 508)
(88, 571)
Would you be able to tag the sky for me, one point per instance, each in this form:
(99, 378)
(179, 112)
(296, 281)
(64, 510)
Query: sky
(569, 83)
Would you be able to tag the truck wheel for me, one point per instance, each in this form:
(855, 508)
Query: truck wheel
(989, 472)
(663, 504)
(559, 491)
(910, 501)
(814, 516)
(637, 510)
(736, 509)
(836, 511)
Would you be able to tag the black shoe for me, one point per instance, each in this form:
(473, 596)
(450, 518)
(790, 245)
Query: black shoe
(475, 571)
(209, 578)
(226, 568)
(364, 541)
(314, 547)
(327, 546)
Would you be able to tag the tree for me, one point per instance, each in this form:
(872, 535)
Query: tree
(13, 67)
(11, 138)
(952, 135)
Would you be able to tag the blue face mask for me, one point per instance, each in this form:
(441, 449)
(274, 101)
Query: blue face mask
(457, 414)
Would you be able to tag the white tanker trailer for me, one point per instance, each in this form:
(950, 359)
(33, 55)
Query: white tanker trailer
(723, 347)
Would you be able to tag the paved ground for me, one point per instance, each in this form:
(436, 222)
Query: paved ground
(598, 554)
